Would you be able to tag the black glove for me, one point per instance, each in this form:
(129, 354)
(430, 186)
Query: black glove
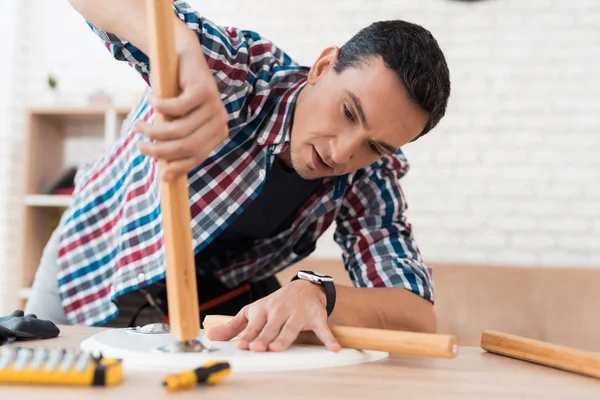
(6, 336)
(18, 326)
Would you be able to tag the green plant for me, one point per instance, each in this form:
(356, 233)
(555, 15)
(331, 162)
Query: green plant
(52, 82)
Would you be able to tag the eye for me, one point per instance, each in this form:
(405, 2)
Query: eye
(375, 149)
(348, 113)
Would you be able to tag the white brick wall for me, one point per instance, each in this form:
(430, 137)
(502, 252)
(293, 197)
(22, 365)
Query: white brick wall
(525, 113)
(8, 106)
(510, 175)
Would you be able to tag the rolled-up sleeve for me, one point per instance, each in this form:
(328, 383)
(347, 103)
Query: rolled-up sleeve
(378, 245)
(214, 39)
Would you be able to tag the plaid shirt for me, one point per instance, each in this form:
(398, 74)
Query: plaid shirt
(111, 235)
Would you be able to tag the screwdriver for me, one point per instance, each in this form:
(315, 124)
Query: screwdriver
(209, 373)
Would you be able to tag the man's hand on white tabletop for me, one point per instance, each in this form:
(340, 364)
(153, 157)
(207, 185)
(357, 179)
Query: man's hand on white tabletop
(274, 322)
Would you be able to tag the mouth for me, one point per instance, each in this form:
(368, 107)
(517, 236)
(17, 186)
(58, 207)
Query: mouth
(318, 163)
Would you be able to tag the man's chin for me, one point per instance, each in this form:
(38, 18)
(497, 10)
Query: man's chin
(305, 170)
(309, 173)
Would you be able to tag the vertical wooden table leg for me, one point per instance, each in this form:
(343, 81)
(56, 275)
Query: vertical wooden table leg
(182, 295)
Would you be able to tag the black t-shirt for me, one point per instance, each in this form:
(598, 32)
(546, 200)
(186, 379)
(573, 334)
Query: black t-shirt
(272, 212)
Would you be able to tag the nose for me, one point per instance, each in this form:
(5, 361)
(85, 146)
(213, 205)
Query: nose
(343, 148)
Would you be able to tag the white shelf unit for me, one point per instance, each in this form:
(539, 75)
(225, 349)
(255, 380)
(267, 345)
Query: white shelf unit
(56, 138)
(47, 200)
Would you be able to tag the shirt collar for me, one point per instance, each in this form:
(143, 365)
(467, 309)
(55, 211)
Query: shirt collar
(279, 122)
(278, 129)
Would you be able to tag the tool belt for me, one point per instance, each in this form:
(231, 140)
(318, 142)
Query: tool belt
(213, 297)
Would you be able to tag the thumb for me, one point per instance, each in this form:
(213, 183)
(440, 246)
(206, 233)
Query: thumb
(324, 334)
(230, 330)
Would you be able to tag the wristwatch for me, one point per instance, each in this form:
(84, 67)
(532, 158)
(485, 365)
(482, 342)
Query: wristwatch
(320, 279)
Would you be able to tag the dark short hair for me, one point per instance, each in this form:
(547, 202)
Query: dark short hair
(411, 51)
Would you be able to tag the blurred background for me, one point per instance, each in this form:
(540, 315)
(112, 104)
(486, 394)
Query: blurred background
(503, 195)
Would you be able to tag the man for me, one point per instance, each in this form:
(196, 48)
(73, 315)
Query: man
(275, 153)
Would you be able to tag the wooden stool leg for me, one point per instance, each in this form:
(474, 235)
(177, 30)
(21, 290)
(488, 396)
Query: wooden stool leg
(182, 294)
(391, 341)
(543, 353)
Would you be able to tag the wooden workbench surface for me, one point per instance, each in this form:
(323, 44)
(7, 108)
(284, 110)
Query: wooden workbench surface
(474, 374)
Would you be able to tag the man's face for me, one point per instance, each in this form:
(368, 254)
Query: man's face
(344, 122)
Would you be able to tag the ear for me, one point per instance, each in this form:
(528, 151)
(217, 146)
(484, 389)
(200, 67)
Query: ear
(323, 64)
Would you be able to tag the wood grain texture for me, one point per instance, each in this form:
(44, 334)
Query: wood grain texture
(543, 353)
(473, 374)
(472, 298)
(394, 342)
(175, 211)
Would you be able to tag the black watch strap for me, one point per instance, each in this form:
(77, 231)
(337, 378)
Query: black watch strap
(329, 296)
(328, 286)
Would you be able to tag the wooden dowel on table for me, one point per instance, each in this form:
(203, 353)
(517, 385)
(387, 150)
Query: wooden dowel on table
(393, 342)
(543, 353)
(182, 294)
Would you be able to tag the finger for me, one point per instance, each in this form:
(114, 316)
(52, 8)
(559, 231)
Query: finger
(199, 144)
(177, 128)
(231, 329)
(191, 97)
(164, 131)
(270, 331)
(324, 334)
(212, 134)
(176, 168)
(214, 131)
(167, 151)
(256, 322)
(288, 334)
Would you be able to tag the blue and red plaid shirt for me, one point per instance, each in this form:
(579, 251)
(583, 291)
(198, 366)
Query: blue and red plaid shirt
(111, 235)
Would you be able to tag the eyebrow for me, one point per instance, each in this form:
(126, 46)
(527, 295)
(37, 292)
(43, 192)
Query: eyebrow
(358, 106)
(363, 120)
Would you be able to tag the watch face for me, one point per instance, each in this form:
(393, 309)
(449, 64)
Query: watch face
(314, 276)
